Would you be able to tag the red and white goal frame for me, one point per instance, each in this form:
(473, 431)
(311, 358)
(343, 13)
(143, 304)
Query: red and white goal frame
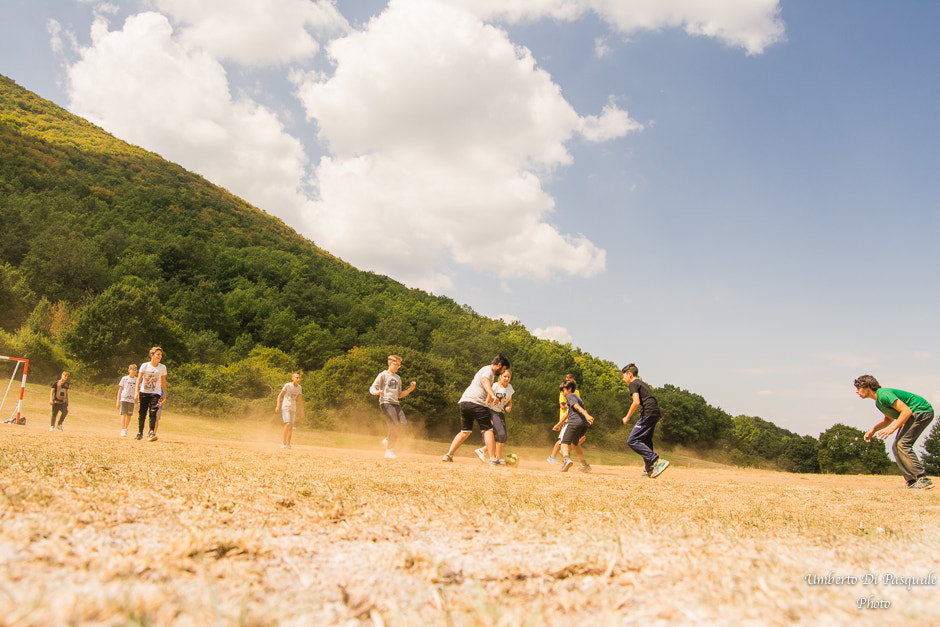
(19, 404)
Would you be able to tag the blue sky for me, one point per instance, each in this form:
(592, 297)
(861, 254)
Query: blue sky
(742, 198)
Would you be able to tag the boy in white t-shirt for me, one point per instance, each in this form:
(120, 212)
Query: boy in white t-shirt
(150, 390)
(288, 401)
(503, 390)
(125, 397)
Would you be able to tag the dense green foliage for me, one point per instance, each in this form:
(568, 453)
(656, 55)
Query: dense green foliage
(107, 249)
(843, 450)
(756, 441)
(932, 450)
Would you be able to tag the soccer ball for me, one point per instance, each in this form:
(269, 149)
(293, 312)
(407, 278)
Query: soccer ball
(512, 459)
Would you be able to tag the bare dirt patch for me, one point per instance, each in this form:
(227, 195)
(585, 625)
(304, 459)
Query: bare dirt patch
(196, 530)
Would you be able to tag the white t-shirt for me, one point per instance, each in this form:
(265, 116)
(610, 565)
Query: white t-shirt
(291, 392)
(476, 393)
(150, 378)
(504, 394)
(127, 385)
(389, 386)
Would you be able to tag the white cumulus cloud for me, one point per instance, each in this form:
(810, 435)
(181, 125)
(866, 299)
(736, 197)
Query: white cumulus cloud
(255, 33)
(555, 333)
(440, 130)
(749, 24)
(148, 88)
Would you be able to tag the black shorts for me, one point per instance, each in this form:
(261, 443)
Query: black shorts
(470, 412)
(574, 433)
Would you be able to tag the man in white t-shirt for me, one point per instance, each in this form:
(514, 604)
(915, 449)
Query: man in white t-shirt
(288, 402)
(475, 407)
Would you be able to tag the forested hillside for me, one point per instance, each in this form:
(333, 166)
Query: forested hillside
(107, 249)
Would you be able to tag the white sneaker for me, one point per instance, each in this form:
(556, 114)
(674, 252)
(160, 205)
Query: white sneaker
(59, 427)
(481, 453)
(390, 455)
(123, 433)
(51, 428)
(385, 442)
(658, 468)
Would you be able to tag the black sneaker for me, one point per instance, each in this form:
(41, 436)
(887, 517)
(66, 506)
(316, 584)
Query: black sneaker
(140, 436)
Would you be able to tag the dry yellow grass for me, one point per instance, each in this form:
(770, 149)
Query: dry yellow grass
(218, 529)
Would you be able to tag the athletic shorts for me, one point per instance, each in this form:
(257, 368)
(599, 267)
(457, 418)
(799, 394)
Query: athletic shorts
(561, 433)
(499, 426)
(470, 413)
(393, 413)
(127, 408)
(287, 414)
(574, 433)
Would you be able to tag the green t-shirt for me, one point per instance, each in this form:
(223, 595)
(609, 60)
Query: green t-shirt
(886, 397)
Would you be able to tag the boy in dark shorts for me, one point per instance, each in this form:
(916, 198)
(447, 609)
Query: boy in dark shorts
(562, 417)
(575, 428)
(907, 414)
(388, 387)
(641, 438)
(474, 407)
(59, 399)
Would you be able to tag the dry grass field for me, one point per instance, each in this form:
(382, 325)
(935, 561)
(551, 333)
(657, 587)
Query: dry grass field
(215, 524)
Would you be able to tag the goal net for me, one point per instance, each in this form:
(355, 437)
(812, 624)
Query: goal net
(18, 363)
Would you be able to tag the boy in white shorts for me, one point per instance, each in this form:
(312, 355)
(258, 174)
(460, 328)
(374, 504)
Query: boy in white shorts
(288, 401)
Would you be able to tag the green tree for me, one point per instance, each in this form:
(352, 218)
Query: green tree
(843, 450)
(932, 450)
(688, 419)
(800, 455)
(313, 346)
(120, 325)
(16, 299)
(64, 265)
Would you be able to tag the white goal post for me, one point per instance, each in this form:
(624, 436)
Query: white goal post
(19, 405)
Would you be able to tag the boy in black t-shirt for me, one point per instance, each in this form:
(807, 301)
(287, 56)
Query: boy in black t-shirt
(59, 399)
(641, 438)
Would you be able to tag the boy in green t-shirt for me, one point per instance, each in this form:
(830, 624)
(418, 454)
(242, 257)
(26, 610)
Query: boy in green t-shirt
(910, 415)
